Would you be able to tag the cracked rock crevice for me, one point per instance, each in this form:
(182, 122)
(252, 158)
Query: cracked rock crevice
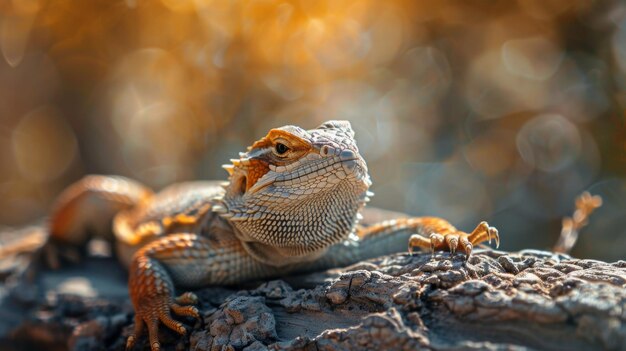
(496, 300)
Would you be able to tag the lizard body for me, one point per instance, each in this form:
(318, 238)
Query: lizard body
(293, 202)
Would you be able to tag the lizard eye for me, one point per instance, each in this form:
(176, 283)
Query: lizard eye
(281, 148)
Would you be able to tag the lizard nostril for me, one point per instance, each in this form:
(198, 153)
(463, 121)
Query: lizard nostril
(347, 155)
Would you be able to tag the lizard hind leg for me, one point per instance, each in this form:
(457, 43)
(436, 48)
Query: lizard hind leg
(86, 209)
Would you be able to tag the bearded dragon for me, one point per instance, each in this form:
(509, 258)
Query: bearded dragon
(293, 202)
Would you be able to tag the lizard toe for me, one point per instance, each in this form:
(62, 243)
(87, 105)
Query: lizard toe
(484, 232)
(417, 240)
(137, 331)
(436, 240)
(153, 335)
(452, 240)
(159, 311)
(466, 246)
(169, 322)
(187, 298)
(187, 311)
(493, 232)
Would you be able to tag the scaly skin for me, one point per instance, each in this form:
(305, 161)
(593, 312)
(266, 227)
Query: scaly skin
(293, 202)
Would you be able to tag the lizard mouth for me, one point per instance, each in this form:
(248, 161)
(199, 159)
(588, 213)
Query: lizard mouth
(356, 167)
(261, 184)
(349, 165)
(349, 162)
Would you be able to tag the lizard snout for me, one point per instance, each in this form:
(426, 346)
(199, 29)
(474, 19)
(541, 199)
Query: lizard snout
(348, 160)
(352, 163)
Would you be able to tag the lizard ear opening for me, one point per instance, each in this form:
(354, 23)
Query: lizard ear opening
(240, 185)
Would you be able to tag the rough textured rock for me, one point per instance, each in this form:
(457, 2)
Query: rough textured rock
(496, 300)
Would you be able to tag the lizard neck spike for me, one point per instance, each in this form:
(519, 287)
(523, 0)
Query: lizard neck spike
(229, 168)
(219, 209)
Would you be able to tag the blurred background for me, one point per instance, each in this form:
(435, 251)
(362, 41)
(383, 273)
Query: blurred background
(469, 110)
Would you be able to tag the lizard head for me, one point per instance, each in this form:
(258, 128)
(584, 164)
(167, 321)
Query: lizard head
(295, 192)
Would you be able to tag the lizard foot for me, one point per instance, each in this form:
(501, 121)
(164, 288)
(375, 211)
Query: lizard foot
(455, 240)
(158, 309)
(151, 287)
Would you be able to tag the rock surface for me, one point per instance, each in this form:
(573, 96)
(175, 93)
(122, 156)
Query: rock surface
(496, 300)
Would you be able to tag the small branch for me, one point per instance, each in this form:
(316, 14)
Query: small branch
(585, 205)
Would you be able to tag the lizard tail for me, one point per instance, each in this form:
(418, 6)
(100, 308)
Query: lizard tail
(82, 211)
(86, 208)
(23, 240)
(17, 249)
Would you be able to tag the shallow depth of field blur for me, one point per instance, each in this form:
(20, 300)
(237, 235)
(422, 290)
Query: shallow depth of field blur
(469, 110)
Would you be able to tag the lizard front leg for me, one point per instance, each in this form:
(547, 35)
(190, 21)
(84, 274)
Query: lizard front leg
(151, 286)
(427, 232)
(182, 260)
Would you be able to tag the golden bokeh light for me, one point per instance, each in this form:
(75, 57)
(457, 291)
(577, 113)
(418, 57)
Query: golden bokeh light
(43, 145)
(498, 110)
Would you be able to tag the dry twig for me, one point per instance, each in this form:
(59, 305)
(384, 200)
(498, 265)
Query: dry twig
(585, 205)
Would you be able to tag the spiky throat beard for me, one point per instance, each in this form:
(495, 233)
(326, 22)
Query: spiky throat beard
(292, 220)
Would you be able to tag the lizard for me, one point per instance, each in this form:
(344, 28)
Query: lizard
(294, 202)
